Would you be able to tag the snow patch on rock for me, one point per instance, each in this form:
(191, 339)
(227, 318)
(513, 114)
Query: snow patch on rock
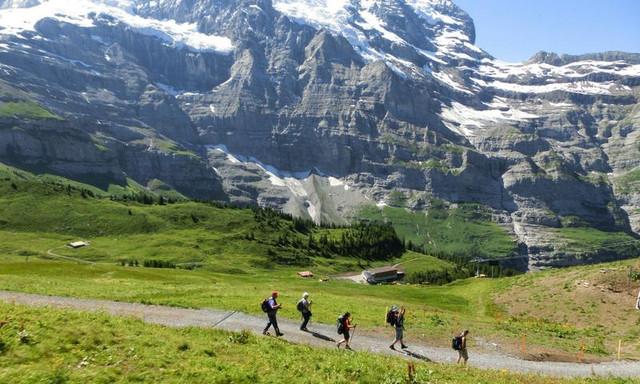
(579, 87)
(466, 121)
(82, 13)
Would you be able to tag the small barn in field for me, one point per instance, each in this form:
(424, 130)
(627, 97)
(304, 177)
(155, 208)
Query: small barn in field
(77, 244)
(386, 274)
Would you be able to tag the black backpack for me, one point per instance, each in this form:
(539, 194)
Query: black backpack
(340, 325)
(456, 343)
(265, 305)
(300, 306)
(392, 318)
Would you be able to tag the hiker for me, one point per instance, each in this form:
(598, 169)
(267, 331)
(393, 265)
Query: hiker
(344, 326)
(460, 345)
(271, 306)
(397, 320)
(304, 306)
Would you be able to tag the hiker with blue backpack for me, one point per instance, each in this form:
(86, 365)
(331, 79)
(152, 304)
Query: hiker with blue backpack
(345, 326)
(304, 307)
(395, 318)
(270, 306)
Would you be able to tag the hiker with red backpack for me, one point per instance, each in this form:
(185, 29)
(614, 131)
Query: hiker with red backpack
(395, 318)
(270, 306)
(344, 328)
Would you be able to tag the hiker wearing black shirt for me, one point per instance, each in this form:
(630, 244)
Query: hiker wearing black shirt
(463, 356)
(399, 326)
(272, 307)
(304, 306)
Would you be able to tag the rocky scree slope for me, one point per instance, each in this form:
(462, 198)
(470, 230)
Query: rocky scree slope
(320, 106)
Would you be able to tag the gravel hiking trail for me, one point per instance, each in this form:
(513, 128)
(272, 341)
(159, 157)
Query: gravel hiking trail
(320, 335)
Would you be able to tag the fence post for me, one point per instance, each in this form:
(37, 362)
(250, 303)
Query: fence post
(581, 352)
(619, 348)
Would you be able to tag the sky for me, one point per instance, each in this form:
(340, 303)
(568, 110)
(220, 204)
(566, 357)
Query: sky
(514, 30)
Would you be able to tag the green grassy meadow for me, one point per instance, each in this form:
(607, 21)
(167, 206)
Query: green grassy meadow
(63, 346)
(434, 312)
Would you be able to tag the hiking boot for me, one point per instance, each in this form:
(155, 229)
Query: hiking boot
(266, 333)
(304, 329)
(404, 346)
(392, 347)
(279, 334)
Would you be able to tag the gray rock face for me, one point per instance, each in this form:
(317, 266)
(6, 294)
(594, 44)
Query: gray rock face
(319, 109)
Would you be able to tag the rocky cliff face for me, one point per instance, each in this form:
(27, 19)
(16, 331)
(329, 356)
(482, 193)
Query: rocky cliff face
(319, 107)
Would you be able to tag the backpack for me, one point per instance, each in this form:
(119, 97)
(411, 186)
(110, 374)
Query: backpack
(392, 319)
(340, 325)
(456, 343)
(300, 306)
(265, 305)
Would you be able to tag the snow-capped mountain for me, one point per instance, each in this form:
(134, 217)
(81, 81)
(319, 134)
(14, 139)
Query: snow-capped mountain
(319, 107)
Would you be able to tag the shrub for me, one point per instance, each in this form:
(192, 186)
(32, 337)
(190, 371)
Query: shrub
(58, 377)
(242, 337)
(24, 337)
(129, 262)
(158, 264)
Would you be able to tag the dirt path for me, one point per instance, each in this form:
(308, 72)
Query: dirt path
(321, 336)
(67, 258)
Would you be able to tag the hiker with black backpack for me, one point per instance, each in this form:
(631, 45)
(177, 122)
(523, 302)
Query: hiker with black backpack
(395, 318)
(270, 306)
(344, 328)
(459, 343)
(304, 307)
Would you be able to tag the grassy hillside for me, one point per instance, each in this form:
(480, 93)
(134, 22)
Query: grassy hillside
(594, 304)
(589, 241)
(25, 109)
(464, 230)
(62, 346)
(43, 212)
(628, 182)
(131, 188)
